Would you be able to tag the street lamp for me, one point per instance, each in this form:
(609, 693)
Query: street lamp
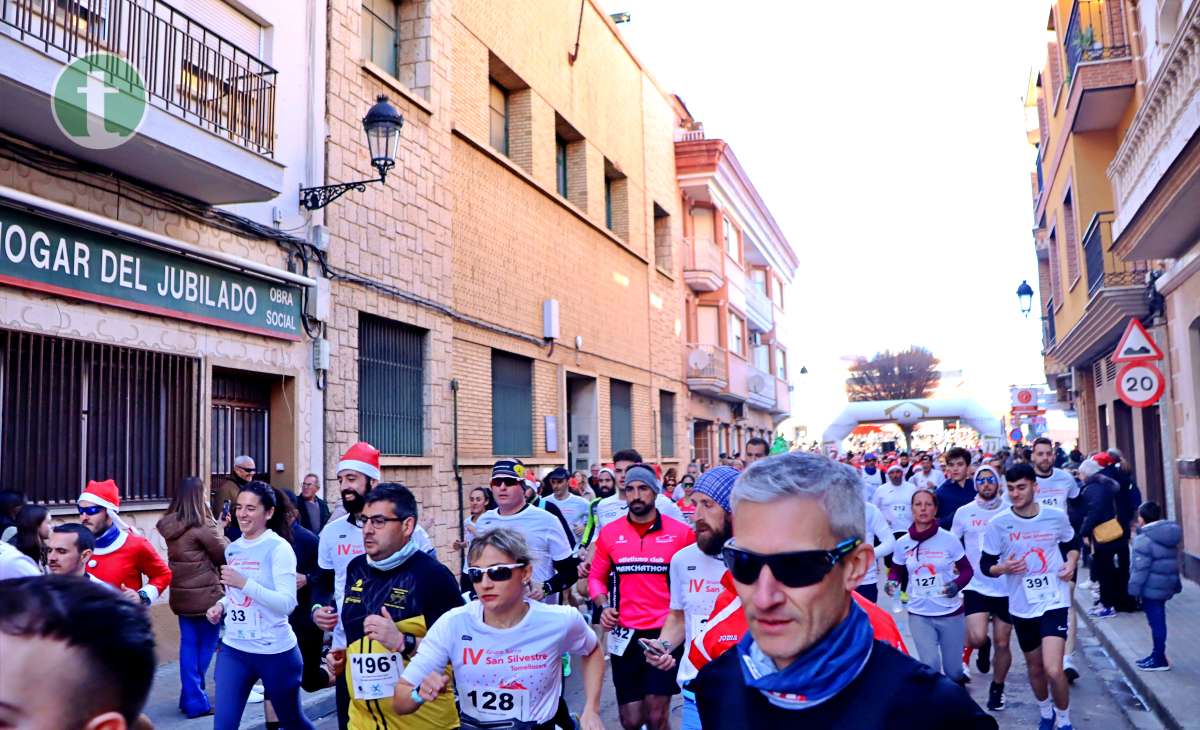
(1025, 295)
(382, 125)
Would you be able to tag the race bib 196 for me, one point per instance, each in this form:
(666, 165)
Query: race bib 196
(1040, 588)
(243, 622)
(506, 703)
(618, 640)
(374, 675)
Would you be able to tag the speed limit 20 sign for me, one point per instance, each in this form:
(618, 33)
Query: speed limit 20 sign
(1140, 384)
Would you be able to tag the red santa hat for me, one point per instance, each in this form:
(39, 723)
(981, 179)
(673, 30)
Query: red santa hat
(362, 457)
(104, 494)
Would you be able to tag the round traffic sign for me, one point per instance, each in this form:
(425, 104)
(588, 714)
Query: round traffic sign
(1140, 384)
(1015, 434)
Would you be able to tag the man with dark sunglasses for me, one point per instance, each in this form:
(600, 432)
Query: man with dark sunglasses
(811, 659)
(555, 567)
(121, 557)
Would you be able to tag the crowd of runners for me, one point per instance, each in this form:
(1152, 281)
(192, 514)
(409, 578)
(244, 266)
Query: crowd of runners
(749, 588)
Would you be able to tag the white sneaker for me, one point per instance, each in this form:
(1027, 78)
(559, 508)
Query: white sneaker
(256, 694)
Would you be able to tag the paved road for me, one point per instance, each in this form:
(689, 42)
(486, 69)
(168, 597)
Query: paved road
(1100, 699)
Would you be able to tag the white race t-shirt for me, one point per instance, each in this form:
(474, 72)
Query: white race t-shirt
(895, 502)
(695, 585)
(503, 674)
(256, 615)
(541, 530)
(970, 522)
(877, 529)
(870, 483)
(930, 483)
(612, 508)
(1034, 540)
(574, 509)
(931, 568)
(1056, 489)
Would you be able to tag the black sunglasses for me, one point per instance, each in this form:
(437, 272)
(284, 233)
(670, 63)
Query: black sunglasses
(794, 570)
(495, 573)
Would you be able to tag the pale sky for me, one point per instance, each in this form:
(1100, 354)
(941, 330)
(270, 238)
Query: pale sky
(888, 140)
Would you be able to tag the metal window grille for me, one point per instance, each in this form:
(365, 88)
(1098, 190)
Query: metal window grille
(666, 426)
(512, 404)
(76, 410)
(620, 397)
(241, 420)
(391, 385)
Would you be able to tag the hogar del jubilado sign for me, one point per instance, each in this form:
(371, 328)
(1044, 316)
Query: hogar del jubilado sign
(48, 255)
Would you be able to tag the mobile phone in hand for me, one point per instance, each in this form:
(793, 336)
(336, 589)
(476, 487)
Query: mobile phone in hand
(652, 646)
(225, 510)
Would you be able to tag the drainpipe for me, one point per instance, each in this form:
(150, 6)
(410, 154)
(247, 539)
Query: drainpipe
(458, 474)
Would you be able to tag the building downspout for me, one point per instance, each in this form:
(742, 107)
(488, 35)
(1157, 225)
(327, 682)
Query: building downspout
(458, 483)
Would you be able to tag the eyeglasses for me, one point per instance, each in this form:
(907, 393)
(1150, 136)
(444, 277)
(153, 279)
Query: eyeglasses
(495, 573)
(94, 509)
(378, 522)
(508, 482)
(794, 570)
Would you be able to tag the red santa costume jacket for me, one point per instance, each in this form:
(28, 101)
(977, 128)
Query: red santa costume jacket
(125, 562)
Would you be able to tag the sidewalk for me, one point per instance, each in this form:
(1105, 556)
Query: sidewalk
(163, 705)
(1172, 695)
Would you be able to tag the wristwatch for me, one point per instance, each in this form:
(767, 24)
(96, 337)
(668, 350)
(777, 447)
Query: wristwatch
(145, 598)
(546, 588)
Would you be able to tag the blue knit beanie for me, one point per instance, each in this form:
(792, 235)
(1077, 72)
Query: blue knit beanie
(717, 483)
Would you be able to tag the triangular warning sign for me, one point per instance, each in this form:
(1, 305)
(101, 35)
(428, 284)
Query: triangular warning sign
(1136, 345)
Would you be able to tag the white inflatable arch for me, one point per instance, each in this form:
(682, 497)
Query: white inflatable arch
(908, 413)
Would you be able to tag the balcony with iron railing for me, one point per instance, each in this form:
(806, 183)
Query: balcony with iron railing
(704, 268)
(1100, 74)
(707, 368)
(208, 131)
(1104, 267)
(1048, 334)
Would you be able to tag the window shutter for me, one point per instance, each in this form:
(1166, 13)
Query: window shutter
(391, 385)
(227, 22)
(512, 404)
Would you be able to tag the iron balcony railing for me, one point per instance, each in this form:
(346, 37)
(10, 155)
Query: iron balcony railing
(1093, 256)
(1104, 267)
(1096, 31)
(707, 362)
(187, 69)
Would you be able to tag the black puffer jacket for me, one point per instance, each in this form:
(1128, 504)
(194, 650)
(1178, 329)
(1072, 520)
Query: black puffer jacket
(1098, 501)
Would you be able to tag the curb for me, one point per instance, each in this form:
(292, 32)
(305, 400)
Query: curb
(1135, 678)
(315, 706)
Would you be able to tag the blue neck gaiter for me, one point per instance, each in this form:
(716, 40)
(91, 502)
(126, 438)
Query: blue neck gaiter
(816, 675)
(396, 559)
(110, 535)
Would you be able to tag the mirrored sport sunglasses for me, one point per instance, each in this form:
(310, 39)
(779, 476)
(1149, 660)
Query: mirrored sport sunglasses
(794, 570)
(495, 573)
(987, 480)
(92, 509)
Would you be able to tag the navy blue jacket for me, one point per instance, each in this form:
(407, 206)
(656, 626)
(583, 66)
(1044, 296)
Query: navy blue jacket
(893, 691)
(950, 497)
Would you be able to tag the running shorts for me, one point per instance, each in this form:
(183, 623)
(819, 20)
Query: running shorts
(975, 602)
(1031, 631)
(634, 678)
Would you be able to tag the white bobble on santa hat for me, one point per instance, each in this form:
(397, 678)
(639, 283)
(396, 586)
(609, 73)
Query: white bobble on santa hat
(362, 457)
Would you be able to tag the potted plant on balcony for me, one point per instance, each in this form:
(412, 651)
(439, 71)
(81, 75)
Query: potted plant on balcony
(1085, 43)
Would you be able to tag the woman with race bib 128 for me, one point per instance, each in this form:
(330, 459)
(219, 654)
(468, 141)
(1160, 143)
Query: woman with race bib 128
(503, 647)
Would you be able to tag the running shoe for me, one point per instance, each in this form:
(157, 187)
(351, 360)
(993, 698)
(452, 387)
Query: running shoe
(256, 695)
(1154, 665)
(1102, 612)
(904, 597)
(995, 701)
(1046, 723)
(983, 657)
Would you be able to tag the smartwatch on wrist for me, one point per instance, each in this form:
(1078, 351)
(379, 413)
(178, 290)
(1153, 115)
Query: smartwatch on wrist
(145, 598)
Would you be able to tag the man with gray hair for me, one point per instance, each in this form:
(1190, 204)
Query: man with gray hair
(810, 658)
(226, 490)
